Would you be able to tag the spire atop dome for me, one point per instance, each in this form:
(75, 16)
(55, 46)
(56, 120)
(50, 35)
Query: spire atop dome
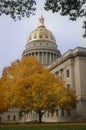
(41, 22)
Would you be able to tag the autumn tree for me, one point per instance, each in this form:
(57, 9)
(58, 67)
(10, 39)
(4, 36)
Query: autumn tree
(3, 96)
(32, 87)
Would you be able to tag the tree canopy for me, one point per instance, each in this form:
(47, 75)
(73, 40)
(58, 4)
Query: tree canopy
(17, 8)
(29, 86)
(73, 8)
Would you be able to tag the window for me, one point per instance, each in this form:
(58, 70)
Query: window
(40, 36)
(33, 115)
(14, 117)
(67, 72)
(48, 113)
(61, 73)
(29, 114)
(46, 35)
(68, 113)
(68, 85)
(8, 117)
(52, 114)
(57, 73)
(36, 115)
(56, 112)
(34, 37)
(62, 112)
(45, 115)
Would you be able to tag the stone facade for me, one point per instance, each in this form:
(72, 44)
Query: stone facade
(11, 116)
(71, 66)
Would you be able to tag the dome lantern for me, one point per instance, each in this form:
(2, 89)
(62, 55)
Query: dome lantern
(41, 22)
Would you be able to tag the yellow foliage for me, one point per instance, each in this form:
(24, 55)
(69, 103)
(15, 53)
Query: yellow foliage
(28, 85)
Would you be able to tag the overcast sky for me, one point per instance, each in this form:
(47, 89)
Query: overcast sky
(14, 35)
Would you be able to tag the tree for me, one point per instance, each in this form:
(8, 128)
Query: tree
(32, 87)
(73, 8)
(3, 97)
(17, 8)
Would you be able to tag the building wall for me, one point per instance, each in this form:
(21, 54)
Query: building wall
(75, 62)
(80, 83)
(11, 116)
(59, 115)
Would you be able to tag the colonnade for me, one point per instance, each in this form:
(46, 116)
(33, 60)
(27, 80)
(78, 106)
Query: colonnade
(45, 58)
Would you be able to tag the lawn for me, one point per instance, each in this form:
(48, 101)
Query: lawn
(69, 126)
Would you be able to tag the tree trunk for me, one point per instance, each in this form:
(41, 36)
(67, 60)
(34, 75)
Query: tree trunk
(40, 116)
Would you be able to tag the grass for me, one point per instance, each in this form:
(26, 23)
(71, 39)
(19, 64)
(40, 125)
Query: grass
(65, 126)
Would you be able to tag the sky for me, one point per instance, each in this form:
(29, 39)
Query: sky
(14, 35)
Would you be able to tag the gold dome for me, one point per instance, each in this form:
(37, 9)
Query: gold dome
(41, 33)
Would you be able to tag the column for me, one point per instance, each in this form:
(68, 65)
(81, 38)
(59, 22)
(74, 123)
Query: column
(46, 57)
(53, 56)
(43, 58)
(50, 58)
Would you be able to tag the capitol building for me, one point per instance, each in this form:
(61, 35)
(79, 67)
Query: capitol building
(42, 44)
(71, 66)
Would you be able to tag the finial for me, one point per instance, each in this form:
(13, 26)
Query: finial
(41, 21)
